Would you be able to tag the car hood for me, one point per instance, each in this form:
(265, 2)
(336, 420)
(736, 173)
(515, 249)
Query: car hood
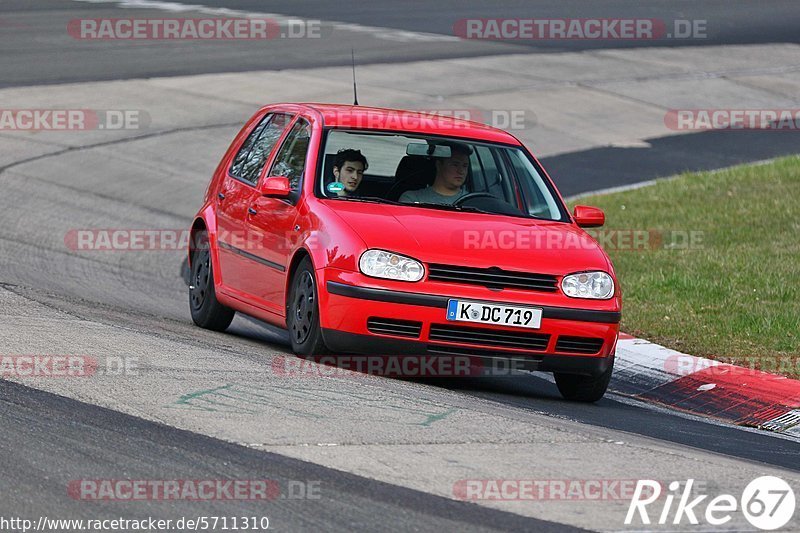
(473, 239)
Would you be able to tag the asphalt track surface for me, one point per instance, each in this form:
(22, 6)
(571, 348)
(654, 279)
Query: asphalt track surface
(146, 294)
(94, 436)
(33, 33)
(666, 156)
(48, 440)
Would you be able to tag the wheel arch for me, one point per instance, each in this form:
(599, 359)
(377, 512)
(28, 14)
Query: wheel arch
(300, 254)
(198, 225)
(205, 220)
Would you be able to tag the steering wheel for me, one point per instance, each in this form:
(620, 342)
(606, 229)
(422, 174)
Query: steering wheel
(470, 196)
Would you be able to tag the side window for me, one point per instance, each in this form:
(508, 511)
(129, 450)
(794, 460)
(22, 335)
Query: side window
(495, 183)
(488, 168)
(253, 154)
(540, 202)
(291, 159)
(478, 177)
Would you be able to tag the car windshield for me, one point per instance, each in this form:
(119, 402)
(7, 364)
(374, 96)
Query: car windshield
(435, 173)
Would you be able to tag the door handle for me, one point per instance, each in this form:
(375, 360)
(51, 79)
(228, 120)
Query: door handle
(220, 196)
(252, 211)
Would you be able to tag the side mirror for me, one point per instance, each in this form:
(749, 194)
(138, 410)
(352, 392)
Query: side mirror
(274, 187)
(589, 217)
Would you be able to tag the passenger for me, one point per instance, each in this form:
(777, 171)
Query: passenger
(348, 169)
(448, 186)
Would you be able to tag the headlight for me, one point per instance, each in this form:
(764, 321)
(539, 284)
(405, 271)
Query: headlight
(383, 264)
(594, 285)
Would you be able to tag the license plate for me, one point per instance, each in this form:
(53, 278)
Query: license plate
(501, 315)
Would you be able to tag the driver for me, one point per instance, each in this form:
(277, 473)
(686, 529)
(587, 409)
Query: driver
(451, 173)
(348, 169)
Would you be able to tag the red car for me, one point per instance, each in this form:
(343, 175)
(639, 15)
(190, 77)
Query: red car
(366, 230)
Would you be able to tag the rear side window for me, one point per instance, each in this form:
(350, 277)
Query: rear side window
(291, 159)
(494, 180)
(255, 150)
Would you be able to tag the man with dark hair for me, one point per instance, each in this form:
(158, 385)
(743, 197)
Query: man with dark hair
(348, 169)
(451, 173)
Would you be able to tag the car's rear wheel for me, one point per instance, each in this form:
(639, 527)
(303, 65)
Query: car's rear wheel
(584, 388)
(206, 311)
(302, 318)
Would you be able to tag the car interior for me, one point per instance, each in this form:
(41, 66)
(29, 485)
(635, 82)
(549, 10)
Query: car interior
(396, 166)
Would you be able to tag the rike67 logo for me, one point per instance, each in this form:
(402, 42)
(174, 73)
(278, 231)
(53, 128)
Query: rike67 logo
(768, 503)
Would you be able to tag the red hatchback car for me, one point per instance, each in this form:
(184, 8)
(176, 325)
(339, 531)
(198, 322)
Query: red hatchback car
(437, 236)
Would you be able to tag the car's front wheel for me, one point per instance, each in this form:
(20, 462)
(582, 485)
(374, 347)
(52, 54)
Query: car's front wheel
(206, 311)
(584, 388)
(302, 318)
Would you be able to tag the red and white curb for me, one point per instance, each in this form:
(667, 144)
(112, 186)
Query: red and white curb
(705, 387)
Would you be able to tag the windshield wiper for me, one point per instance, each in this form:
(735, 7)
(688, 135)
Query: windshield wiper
(371, 199)
(444, 207)
(450, 207)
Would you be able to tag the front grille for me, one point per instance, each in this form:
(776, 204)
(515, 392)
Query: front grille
(441, 349)
(391, 326)
(493, 278)
(579, 344)
(489, 337)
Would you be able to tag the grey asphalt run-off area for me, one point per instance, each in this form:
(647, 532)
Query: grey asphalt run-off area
(386, 454)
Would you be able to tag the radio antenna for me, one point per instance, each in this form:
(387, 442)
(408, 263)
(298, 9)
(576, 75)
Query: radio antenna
(355, 91)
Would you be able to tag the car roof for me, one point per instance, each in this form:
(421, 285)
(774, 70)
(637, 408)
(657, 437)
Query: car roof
(386, 119)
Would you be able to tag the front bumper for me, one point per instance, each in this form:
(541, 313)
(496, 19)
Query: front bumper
(349, 310)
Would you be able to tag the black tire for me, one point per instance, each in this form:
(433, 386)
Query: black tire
(206, 311)
(587, 389)
(302, 312)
